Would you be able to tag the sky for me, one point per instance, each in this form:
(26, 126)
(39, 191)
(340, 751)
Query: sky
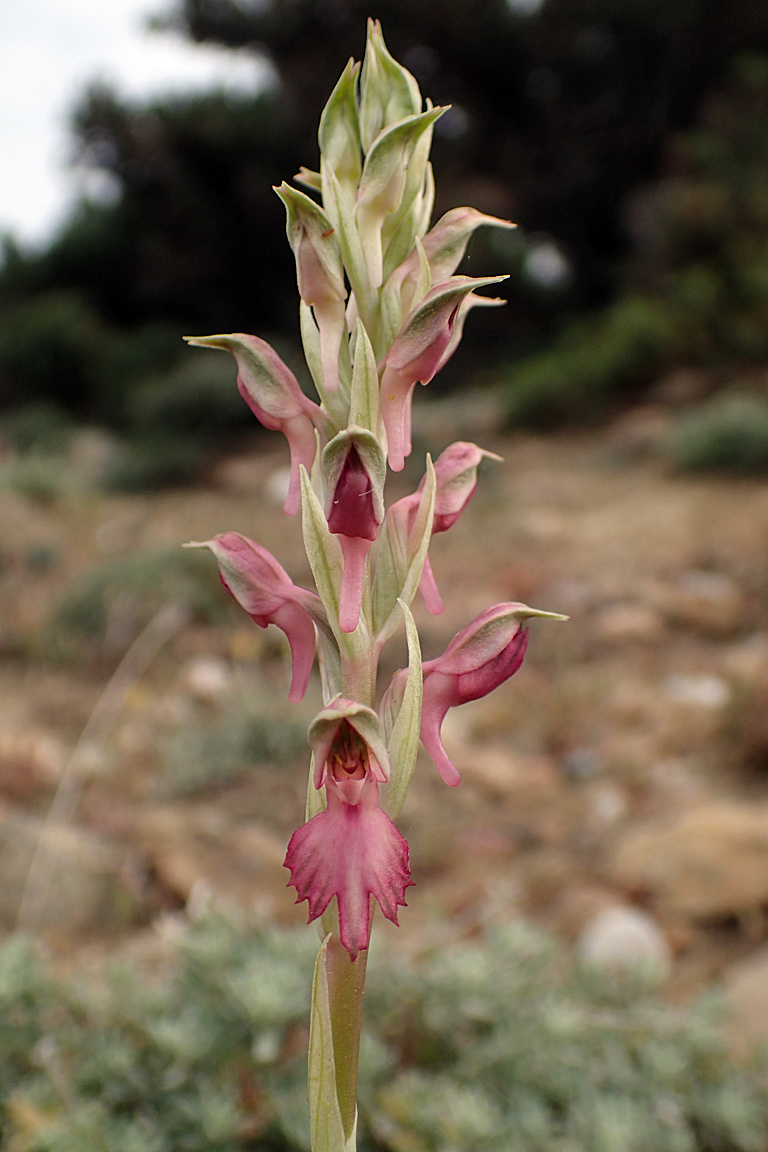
(50, 50)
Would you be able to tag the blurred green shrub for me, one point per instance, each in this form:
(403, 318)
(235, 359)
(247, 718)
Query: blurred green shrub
(696, 281)
(730, 434)
(202, 756)
(500, 1046)
(52, 347)
(105, 610)
(42, 425)
(594, 359)
(174, 420)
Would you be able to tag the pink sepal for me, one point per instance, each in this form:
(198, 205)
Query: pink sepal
(352, 852)
(265, 590)
(429, 589)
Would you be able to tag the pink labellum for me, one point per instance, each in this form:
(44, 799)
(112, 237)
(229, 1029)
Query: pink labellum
(354, 852)
(355, 550)
(299, 630)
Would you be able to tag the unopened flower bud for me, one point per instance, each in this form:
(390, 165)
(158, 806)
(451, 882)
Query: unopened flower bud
(319, 272)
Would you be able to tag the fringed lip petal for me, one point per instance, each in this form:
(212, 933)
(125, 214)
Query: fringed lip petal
(353, 852)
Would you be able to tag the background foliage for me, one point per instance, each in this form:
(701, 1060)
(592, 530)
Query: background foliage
(499, 1046)
(627, 138)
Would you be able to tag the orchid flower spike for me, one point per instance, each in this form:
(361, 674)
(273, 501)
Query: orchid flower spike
(351, 850)
(266, 592)
(477, 660)
(272, 393)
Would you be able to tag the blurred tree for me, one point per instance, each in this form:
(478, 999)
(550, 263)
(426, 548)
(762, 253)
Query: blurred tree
(561, 109)
(559, 106)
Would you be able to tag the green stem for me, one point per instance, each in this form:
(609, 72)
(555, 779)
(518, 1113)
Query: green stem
(346, 985)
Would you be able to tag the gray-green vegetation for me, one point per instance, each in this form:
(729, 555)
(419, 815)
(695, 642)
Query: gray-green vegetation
(498, 1045)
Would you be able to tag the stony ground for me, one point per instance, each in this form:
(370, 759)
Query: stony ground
(616, 790)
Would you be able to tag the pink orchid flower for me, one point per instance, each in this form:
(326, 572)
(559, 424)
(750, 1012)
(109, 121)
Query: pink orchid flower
(266, 592)
(354, 509)
(456, 482)
(477, 660)
(273, 394)
(351, 850)
(425, 342)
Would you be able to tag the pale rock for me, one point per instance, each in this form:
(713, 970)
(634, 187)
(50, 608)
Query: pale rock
(608, 804)
(747, 661)
(505, 771)
(709, 862)
(710, 693)
(207, 678)
(746, 993)
(625, 939)
(31, 762)
(240, 475)
(619, 623)
(276, 486)
(92, 452)
(711, 602)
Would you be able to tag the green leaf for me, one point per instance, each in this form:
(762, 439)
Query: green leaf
(403, 741)
(323, 551)
(339, 133)
(364, 399)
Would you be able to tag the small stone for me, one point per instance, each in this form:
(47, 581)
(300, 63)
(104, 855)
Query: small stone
(710, 693)
(746, 992)
(609, 804)
(625, 939)
(207, 678)
(711, 602)
(709, 862)
(509, 772)
(747, 661)
(276, 487)
(619, 623)
(63, 878)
